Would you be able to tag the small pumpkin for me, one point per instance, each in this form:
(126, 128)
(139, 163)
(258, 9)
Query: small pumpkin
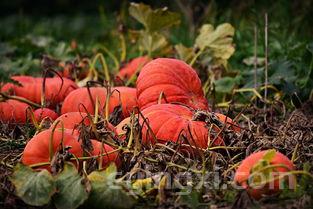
(258, 161)
(37, 149)
(72, 120)
(42, 113)
(173, 78)
(12, 111)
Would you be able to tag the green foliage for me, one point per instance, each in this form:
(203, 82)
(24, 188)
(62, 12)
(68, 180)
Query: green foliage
(218, 43)
(152, 40)
(72, 191)
(34, 188)
(107, 192)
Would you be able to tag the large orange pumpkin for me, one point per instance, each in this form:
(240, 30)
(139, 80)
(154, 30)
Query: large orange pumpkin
(37, 149)
(244, 171)
(31, 89)
(175, 79)
(167, 121)
(81, 101)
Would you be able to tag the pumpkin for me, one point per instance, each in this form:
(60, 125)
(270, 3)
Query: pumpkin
(175, 79)
(42, 113)
(107, 158)
(31, 89)
(72, 120)
(37, 149)
(134, 66)
(12, 111)
(247, 166)
(80, 99)
(167, 121)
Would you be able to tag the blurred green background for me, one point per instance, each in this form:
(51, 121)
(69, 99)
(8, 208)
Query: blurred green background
(32, 28)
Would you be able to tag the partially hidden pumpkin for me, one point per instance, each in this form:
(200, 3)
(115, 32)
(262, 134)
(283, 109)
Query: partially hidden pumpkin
(56, 89)
(133, 67)
(166, 122)
(37, 149)
(107, 155)
(81, 100)
(243, 175)
(12, 111)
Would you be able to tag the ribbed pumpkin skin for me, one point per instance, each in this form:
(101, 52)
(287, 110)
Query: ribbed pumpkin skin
(107, 158)
(31, 89)
(167, 121)
(132, 67)
(244, 170)
(80, 98)
(41, 113)
(12, 111)
(37, 149)
(177, 80)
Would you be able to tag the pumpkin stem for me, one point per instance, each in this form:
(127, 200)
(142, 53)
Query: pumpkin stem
(51, 151)
(4, 97)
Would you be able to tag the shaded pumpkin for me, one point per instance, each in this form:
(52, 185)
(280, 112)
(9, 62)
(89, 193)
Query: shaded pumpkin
(42, 113)
(37, 149)
(55, 91)
(107, 157)
(133, 67)
(72, 120)
(175, 79)
(12, 111)
(168, 121)
(81, 101)
(245, 170)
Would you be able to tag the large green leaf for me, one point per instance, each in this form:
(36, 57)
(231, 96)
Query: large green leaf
(72, 192)
(34, 188)
(153, 20)
(106, 192)
(219, 41)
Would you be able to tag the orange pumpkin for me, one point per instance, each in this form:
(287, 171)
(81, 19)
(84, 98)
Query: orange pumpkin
(173, 78)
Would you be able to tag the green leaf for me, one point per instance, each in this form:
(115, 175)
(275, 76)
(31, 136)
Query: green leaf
(218, 42)
(72, 192)
(152, 42)
(184, 53)
(269, 155)
(34, 188)
(106, 192)
(153, 20)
